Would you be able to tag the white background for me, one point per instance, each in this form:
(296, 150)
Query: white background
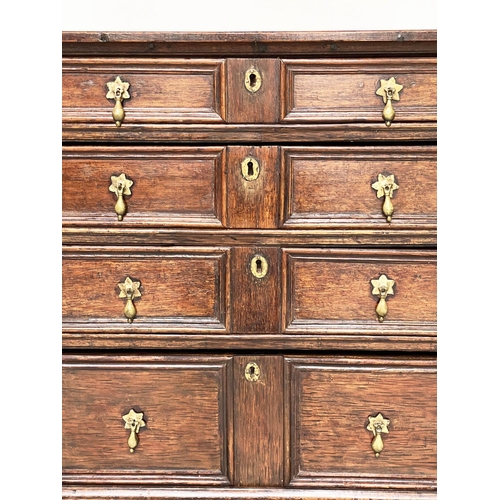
(468, 208)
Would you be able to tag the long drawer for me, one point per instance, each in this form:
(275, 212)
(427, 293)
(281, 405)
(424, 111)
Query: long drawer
(389, 189)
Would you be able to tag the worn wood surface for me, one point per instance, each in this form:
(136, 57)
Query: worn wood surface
(254, 301)
(257, 107)
(398, 43)
(172, 186)
(187, 407)
(330, 402)
(180, 287)
(258, 424)
(323, 187)
(253, 203)
(344, 90)
(416, 235)
(192, 227)
(161, 90)
(243, 493)
(331, 290)
(249, 133)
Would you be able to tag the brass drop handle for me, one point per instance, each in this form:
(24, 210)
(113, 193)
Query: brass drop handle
(389, 91)
(378, 425)
(382, 287)
(385, 186)
(129, 290)
(120, 185)
(118, 91)
(133, 421)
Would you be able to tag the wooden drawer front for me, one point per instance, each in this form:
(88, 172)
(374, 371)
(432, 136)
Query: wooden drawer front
(343, 90)
(171, 186)
(185, 405)
(332, 186)
(330, 402)
(330, 291)
(182, 289)
(161, 90)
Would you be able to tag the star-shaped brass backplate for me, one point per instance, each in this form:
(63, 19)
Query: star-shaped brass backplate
(118, 89)
(120, 184)
(129, 289)
(389, 88)
(134, 420)
(385, 186)
(382, 286)
(378, 424)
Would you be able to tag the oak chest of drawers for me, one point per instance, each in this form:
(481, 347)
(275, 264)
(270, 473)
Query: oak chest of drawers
(249, 265)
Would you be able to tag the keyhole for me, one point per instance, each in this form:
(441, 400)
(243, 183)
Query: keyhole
(252, 372)
(259, 266)
(250, 168)
(253, 80)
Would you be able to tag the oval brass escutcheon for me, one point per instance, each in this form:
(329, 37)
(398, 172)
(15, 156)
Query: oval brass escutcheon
(250, 168)
(253, 80)
(252, 372)
(259, 266)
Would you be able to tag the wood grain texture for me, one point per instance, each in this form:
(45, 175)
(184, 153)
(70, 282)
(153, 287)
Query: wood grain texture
(245, 106)
(250, 133)
(257, 43)
(330, 402)
(181, 288)
(419, 236)
(243, 494)
(161, 90)
(331, 291)
(255, 302)
(258, 425)
(253, 203)
(172, 186)
(324, 187)
(186, 402)
(344, 90)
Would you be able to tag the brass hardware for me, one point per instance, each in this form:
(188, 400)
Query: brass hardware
(130, 290)
(118, 91)
(253, 80)
(252, 372)
(385, 186)
(259, 266)
(250, 168)
(120, 185)
(382, 287)
(389, 91)
(134, 422)
(378, 425)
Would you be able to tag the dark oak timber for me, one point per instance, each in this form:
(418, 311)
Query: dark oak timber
(256, 354)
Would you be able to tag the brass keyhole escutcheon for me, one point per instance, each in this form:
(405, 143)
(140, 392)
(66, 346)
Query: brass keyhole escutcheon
(259, 266)
(382, 287)
(253, 80)
(129, 290)
(133, 421)
(389, 91)
(118, 91)
(250, 168)
(378, 425)
(252, 372)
